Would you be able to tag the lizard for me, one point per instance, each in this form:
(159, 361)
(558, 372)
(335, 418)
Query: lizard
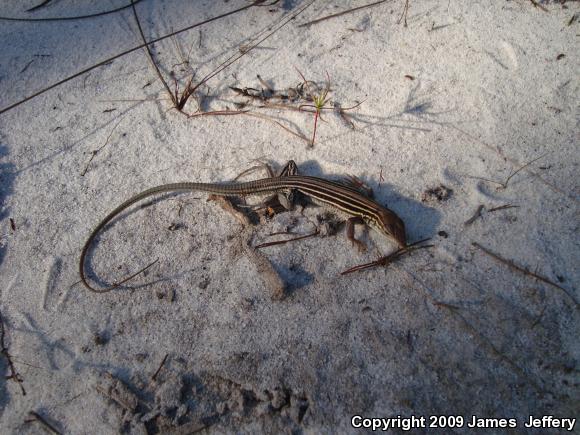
(361, 208)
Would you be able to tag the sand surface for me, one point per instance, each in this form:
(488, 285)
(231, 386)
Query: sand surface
(218, 336)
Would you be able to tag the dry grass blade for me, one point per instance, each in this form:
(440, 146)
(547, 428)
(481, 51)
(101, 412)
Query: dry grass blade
(95, 152)
(538, 6)
(504, 184)
(502, 207)
(150, 56)
(38, 6)
(14, 375)
(217, 113)
(403, 16)
(119, 283)
(388, 259)
(78, 17)
(281, 242)
(487, 343)
(39, 418)
(338, 14)
(475, 216)
(279, 124)
(526, 271)
(154, 377)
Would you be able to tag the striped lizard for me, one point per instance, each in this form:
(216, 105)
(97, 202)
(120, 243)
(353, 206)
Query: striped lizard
(350, 200)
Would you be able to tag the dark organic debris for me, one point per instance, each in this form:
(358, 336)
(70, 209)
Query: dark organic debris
(439, 194)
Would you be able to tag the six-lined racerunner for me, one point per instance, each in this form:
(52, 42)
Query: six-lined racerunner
(349, 200)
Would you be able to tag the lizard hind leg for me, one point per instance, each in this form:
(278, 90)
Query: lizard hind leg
(289, 168)
(288, 199)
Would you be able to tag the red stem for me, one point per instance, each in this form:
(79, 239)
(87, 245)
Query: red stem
(315, 123)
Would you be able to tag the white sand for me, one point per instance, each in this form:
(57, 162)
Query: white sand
(488, 95)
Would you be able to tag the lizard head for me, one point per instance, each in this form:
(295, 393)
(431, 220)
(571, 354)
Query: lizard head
(393, 226)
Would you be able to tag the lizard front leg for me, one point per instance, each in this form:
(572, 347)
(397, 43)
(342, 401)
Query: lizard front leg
(350, 223)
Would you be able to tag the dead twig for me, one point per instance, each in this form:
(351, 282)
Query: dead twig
(39, 418)
(526, 271)
(150, 56)
(486, 342)
(154, 377)
(279, 124)
(38, 6)
(217, 113)
(281, 242)
(123, 281)
(116, 390)
(95, 152)
(502, 207)
(475, 216)
(26, 66)
(14, 375)
(404, 14)
(78, 17)
(504, 184)
(338, 14)
(388, 259)
(538, 6)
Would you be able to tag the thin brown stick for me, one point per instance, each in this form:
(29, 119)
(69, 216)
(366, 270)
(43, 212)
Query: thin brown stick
(502, 207)
(526, 271)
(338, 14)
(279, 124)
(123, 281)
(388, 259)
(484, 340)
(95, 152)
(150, 56)
(475, 216)
(504, 184)
(38, 6)
(538, 6)
(154, 377)
(281, 242)
(492, 347)
(522, 168)
(39, 418)
(217, 113)
(78, 17)
(14, 375)
(404, 14)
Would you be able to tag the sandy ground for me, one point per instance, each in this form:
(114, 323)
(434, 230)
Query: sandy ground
(453, 105)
